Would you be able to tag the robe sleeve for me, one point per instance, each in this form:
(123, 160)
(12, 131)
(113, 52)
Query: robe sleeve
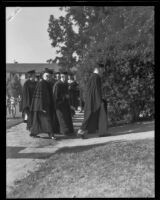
(25, 97)
(36, 104)
(57, 95)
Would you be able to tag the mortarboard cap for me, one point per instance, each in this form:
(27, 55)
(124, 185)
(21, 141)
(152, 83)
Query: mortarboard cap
(101, 65)
(49, 71)
(57, 73)
(31, 72)
(71, 74)
(38, 75)
(64, 72)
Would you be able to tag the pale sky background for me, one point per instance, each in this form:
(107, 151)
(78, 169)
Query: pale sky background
(27, 39)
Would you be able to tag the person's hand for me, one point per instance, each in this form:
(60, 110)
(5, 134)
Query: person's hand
(67, 96)
(73, 108)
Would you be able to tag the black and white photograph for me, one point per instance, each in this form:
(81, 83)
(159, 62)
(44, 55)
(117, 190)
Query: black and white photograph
(80, 116)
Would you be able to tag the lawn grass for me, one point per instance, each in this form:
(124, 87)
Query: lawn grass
(116, 169)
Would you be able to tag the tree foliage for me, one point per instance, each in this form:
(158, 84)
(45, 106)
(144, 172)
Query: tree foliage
(122, 38)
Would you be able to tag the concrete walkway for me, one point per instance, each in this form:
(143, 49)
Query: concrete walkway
(25, 154)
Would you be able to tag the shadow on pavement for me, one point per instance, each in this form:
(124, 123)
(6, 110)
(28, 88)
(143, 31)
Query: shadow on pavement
(10, 122)
(13, 153)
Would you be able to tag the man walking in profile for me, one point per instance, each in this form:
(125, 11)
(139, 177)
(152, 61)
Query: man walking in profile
(27, 95)
(95, 116)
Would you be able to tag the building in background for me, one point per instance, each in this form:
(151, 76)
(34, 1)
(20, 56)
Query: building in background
(20, 69)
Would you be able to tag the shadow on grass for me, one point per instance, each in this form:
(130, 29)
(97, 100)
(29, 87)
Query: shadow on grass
(14, 152)
(77, 149)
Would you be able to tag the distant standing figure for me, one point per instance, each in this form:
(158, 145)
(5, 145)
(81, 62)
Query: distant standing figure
(62, 104)
(7, 104)
(27, 94)
(19, 99)
(95, 116)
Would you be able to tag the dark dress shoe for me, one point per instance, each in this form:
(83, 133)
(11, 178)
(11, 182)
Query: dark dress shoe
(34, 136)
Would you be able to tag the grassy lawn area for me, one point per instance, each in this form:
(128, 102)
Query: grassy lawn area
(116, 169)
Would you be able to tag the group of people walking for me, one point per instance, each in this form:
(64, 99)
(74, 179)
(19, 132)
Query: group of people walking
(49, 104)
(46, 104)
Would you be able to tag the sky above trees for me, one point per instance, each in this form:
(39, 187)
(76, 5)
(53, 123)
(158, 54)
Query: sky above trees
(27, 39)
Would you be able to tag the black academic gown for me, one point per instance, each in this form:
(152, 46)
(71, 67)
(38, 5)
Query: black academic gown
(43, 122)
(53, 81)
(72, 87)
(95, 116)
(27, 95)
(62, 105)
(81, 98)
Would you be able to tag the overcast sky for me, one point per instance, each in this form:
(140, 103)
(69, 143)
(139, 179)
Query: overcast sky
(27, 39)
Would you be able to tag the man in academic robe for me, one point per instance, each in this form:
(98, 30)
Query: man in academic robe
(95, 116)
(62, 105)
(42, 108)
(27, 94)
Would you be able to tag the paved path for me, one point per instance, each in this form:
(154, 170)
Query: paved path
(10, 121)
(25, 154)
